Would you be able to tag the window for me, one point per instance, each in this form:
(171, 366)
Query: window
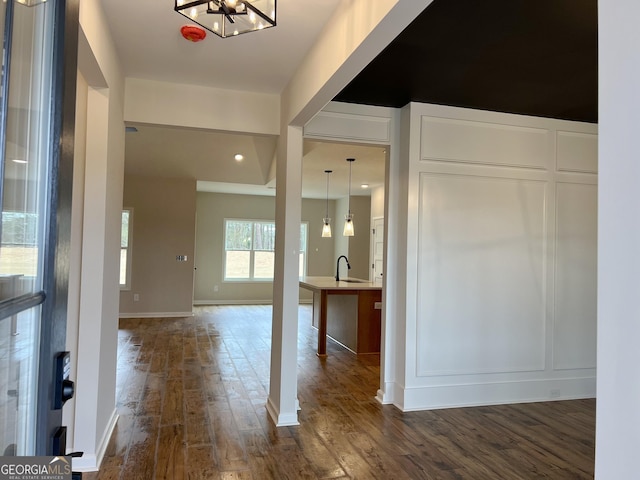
(302, 269)
(125, 249)
(249, 249)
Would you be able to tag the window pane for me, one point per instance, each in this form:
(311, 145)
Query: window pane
(303, 237)
(123, 266)
(237, 264)
(237, 235)
(124, 234)
(19, 244)
(26, 122)
(125, 244)
(19, 342)
(263, 267)
(301, 265)
(264, 236)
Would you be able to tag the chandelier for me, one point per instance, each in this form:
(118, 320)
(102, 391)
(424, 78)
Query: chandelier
(227, 18)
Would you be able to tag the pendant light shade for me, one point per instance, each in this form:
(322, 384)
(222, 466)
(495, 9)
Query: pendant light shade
(326, 221)
(348, 230)
(326, 228)
(348, 226)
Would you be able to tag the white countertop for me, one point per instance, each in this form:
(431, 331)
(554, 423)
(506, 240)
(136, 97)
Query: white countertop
(329, 283)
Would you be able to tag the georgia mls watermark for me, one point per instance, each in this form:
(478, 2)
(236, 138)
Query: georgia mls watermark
(35, 468)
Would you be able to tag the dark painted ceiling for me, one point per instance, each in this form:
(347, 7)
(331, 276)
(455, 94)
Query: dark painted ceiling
(531, 57)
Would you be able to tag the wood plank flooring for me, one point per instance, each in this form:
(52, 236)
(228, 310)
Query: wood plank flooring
(192, 392)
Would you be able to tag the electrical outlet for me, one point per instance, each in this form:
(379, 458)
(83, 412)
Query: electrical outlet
(136, 297)
(215, 288)
(555, 393)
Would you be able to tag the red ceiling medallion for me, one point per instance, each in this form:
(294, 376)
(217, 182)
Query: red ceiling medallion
(193, 33)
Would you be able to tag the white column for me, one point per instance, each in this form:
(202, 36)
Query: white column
(89, 331)
(618, 383)
(282, 404)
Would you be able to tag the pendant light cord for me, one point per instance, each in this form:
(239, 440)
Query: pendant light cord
(328, 172)
(327, 209)
(350, 160)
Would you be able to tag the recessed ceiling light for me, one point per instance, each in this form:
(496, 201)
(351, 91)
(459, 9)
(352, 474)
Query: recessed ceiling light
(239, 157)
(364, 185)
(21, 162)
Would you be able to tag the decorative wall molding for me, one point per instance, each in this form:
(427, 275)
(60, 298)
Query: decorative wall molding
(574, 309)
(484, 143)
(489, 235)
(576, 152)
(481, 275)
(360, 128)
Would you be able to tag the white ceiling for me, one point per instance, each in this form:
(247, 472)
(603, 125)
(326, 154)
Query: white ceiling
(149, 44)
(262, 61)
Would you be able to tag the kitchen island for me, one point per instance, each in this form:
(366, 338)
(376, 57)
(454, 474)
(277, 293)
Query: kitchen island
(349, 311)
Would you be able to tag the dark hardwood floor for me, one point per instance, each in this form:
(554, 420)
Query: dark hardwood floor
(192, 393)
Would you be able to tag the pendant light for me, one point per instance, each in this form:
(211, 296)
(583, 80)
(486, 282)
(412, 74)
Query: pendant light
(326, 221)
(228, 18)
(348, 218)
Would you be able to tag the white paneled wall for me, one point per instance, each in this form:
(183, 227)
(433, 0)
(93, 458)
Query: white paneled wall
(502, 224)
(490, 268)
(574, 325)
(481, 275)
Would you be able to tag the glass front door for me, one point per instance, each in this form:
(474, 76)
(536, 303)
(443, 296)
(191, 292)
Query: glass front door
(29, 133)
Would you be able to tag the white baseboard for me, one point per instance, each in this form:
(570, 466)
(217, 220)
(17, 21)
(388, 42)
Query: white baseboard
(385, 397)
(473, 395)
(279, 420)
(232, 302)
(156, 315)
(90, 462)
(201, 303)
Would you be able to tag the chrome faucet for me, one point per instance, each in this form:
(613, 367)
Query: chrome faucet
(338, 266)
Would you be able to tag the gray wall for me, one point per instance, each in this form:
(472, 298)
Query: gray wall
(356, 248)
(213, 208)
(163, 227)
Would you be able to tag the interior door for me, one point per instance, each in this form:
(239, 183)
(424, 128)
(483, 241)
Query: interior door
(36, 140)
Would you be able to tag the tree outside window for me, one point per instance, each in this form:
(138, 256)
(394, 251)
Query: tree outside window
(249, 250)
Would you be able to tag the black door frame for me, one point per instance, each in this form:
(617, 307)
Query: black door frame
(56, 268)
